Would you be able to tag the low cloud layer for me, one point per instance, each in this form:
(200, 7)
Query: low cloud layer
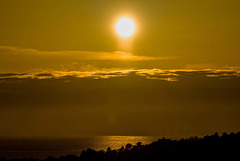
(120, 102)
(88, 93)
(158, 74)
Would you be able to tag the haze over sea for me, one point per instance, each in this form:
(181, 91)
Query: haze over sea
(43, 147)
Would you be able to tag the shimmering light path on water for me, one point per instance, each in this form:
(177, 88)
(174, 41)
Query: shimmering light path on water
(44, 147)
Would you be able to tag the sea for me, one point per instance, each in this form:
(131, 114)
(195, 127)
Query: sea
(41, 148)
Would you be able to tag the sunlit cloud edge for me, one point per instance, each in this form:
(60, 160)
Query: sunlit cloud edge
(154, 74)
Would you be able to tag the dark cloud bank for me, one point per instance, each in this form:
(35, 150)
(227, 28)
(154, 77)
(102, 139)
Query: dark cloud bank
(133, 102)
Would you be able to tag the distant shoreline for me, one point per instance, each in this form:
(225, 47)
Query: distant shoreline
(207, 145)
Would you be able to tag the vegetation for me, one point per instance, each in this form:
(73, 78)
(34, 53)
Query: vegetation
(214, 147)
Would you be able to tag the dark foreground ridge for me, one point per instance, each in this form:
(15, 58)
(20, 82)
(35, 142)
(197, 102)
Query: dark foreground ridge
(211, 147)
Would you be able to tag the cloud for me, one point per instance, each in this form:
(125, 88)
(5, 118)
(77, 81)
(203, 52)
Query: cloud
(155, 74)
(182, 97)
(14, 59)
(80, 55)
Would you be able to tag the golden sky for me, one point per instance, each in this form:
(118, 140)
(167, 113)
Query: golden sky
(198, 32)
(65, 71)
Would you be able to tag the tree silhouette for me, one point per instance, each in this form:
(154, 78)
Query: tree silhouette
(213, 147)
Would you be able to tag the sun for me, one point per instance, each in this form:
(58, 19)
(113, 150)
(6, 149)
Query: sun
(125, 27)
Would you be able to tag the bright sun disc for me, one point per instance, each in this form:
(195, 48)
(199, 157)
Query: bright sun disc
(125, 27)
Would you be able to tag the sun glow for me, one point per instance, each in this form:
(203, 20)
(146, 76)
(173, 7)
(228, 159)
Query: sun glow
(125, 27)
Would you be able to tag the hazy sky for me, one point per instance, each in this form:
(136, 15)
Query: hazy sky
(200, 32)
(64, 70)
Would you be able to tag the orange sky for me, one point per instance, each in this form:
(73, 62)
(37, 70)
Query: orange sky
(64, 71)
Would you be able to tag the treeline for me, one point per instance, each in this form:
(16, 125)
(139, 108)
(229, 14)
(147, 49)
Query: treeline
(214, 147)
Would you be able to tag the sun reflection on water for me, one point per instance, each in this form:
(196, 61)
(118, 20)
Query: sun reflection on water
(116, 142)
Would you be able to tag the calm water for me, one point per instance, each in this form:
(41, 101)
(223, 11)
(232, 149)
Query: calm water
(43, 147)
